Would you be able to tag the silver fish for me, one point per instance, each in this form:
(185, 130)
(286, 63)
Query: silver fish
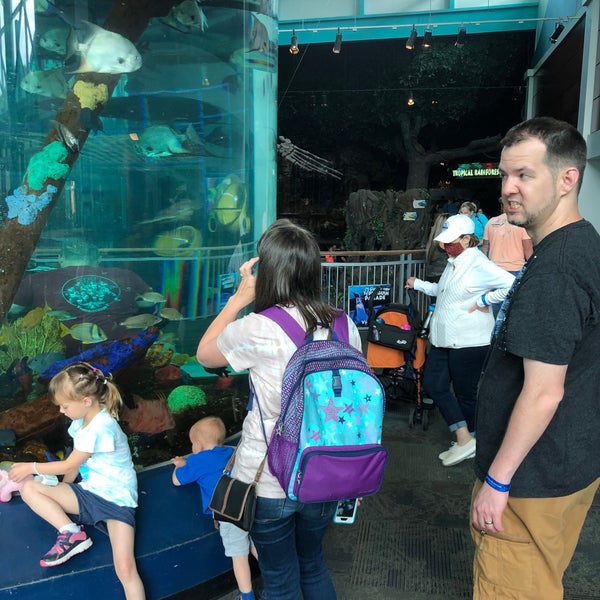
(186, 17)
(50, 83)
(66, 137)
(171, 314)
(87, 333)
(161, 140)
(259, 37)
(151, 297)
(105, 51)
(140, 321)
(59, 40)
(188, 13)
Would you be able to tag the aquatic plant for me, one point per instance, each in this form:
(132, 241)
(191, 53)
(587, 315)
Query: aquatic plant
(185, 396)
(17, 342)
(47, 164)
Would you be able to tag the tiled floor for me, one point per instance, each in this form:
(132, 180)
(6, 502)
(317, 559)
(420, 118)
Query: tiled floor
(411, 540)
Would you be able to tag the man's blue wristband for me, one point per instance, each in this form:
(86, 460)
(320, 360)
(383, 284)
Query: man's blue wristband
(483, 300)
(499, 487)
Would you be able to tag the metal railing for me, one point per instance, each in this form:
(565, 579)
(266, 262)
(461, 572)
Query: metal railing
(389, 267)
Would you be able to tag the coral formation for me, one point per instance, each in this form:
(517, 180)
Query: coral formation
(109, 356)
(168, 374)
(159, 355)
(148, 416)
(26, 207)
(90, 95)
(185, 396)
(47, 164)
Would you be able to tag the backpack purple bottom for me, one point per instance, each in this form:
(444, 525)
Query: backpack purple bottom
(339, 472)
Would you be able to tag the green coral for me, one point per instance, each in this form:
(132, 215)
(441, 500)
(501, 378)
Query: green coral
(18, 342)
(47, 164)
(185, 396)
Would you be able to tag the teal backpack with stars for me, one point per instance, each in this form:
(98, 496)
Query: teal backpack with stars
(326, 444)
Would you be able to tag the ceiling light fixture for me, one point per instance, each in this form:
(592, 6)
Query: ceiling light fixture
(427, 38)
(337, 46)
(294, 43)
(461, 38)
(556, 33)
(412, 38)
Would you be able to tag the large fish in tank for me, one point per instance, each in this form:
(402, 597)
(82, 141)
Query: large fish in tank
(104, 51)
(187, 17)
(161, 140)
(59, 40)
(50, 83)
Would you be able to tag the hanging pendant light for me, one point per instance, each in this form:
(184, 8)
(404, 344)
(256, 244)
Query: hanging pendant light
(294, 43)
(427, 38)
(337, 46)
(412, 38)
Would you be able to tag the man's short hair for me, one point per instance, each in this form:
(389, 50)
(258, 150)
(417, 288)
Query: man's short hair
(565, 146)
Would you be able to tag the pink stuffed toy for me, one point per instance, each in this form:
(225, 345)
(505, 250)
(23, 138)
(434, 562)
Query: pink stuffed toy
(8, 486)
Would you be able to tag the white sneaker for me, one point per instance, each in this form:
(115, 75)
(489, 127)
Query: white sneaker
(457, 454)
(446, 453)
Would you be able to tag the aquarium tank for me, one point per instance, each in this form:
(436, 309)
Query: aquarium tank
(137, 171)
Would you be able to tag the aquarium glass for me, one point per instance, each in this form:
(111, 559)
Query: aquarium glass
(137, 170)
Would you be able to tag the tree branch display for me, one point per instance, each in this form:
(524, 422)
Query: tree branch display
(31, 203)
(464, 98)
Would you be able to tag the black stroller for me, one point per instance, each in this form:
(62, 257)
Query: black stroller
(396, 351)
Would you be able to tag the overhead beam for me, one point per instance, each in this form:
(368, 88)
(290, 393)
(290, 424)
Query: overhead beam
(396, 25)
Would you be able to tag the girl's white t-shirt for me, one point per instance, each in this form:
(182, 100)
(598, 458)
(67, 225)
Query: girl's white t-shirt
(109, 472)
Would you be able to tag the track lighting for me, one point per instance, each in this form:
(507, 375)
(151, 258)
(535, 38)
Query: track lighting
(556, 33)
(427, 38)
(412, 38)
(461, 38)
(294, 43)
(337, 46)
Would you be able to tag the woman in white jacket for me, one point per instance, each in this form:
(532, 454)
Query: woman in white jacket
(460, 330)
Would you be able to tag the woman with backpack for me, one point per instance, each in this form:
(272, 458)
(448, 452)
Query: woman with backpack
(287, 273)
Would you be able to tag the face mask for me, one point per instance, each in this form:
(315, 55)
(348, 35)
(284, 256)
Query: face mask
(454, 249)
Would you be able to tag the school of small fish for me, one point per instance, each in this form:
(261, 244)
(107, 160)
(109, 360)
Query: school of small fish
(83, 47)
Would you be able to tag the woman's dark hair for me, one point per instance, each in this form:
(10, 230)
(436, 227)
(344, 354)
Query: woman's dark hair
(289, 273)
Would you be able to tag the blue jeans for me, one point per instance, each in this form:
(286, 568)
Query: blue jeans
(450, 379)
(288, 538)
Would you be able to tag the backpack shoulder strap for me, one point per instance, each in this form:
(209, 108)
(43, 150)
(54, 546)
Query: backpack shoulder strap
(295, 331)
(287, 323)
(340, 327)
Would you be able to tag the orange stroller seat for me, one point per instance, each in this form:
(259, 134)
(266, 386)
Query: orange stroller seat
(397, 355)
